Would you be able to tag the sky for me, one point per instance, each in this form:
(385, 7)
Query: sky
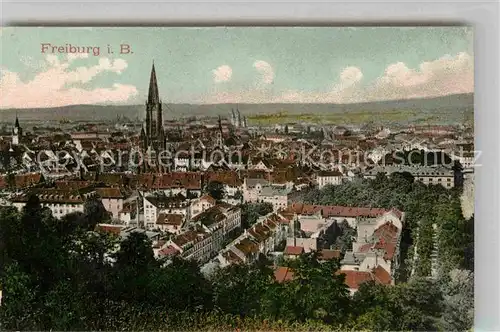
(232, 64)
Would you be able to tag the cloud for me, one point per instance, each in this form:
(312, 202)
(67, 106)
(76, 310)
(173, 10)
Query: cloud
(222, 74)
(266, 71)
(58, 85)
(444, 76)
(74, 56)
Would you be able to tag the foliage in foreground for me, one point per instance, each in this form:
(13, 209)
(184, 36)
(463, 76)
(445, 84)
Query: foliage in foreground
(59, 275)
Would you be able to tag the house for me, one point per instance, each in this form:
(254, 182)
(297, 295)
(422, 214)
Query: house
(377, 245)
(60, 201)
(328, 254)
(292, 252)
(155, 204)
(170, 222)
(188, 184)
(201, 204)
(425, 174)
(261, 238)
(261, 165)
(207, 233)
(232, 185)
(252, 187)
(325, 178)
(193, 244)
(312, 216)
(277, 196)
(112, 199)
(354, 279)
(129, 212)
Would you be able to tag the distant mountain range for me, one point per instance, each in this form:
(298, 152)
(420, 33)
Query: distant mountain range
(452, 108)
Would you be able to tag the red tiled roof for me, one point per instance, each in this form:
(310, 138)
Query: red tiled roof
(113, 229)
(332, 211)
(278, 218)
(170, 219)
(328, 254)
(187, 180)
(247, 246)
(229, 178)
(191, 236)
(208, 198)
(365, 247)
(294, 250)
(282, 274)
(387, 237)
(260, 232)
(110, 193)
(353, 279)
(231, 257)
(381, 275)
(168, 251)
(26, 180)
(75, 184)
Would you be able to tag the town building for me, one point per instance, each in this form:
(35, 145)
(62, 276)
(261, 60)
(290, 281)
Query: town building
(325, 178)
(60, 201)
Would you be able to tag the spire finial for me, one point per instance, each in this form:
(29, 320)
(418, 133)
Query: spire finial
(17, 122)
(153, 95)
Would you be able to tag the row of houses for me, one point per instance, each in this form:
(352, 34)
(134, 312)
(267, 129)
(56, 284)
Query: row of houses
(260, 239)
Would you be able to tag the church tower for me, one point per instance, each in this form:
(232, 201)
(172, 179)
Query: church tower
(219, 133)
(17, 132)
(154, 132)
(152, 136)
(153, 107)
(239, 117)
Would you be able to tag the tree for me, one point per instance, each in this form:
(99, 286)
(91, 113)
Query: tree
(344, 241)
(94, 213)
(458, 293)
(317, 291)
(264, 208)
(18, 299)
(418, 305)
(239, 288)
(238, 195)
(180, 286)
(250, 213)
(216, 190)
(134, 262)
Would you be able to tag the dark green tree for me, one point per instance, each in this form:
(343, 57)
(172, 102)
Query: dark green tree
(216, 190)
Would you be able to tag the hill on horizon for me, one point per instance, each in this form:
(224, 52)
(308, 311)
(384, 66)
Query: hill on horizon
(449, 108)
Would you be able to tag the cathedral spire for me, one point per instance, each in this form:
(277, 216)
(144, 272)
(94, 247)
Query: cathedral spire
(219, 122)
(17, 122)
(153, 95)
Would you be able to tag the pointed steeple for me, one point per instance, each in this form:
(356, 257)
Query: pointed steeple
(220, 124)
(17, 122)
(153, 95)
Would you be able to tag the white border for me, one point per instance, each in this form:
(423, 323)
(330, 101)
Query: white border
(483, 16)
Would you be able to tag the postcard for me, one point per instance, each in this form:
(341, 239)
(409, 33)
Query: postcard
(237, 178)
